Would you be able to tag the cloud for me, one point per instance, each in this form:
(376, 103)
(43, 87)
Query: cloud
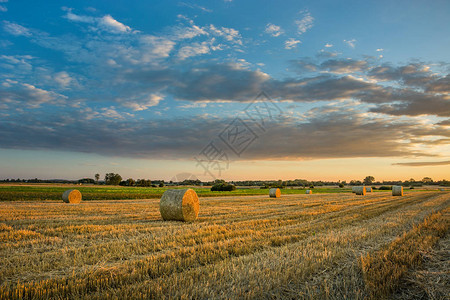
(3, 8)
(63, 79)
(327, 45)
(21, 95)
(291, 43)
(144, 103)
(350, 43)
(109, 132)
(230, 34)
(105, 23)
(380, 50)
(112, 25)
(305, 23)
(16, 29)
(344, 65)
(444, 123)
(273, 30)
(195, 6)
(423, 163)
(193, 50)
(217, 82)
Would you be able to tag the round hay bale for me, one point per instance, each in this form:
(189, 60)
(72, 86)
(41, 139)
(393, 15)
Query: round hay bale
(179, 205)
(275, 193)
(360, 190)
(397, 190)
(354, 188)
(72, 196)
(308, 192)
(368, 189)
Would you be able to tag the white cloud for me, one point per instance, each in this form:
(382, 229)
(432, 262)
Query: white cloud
(111, 112)
(327, 45)
(230, 34)
(273, 30)
(350, 43)
(153, 46)
(194, 50)
(106, 23)
(15, 29)
(195, 6)
(3, 8)
(182, 33)
(380, 50)
(291, 43)
(63, 79)
(152, 100)
(304, 23)
(77, 18)
(112, 25)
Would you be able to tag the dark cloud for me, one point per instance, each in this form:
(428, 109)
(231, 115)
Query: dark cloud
(218, 82)
(441, 85)
(322, 133)
(444, 123)
(344, 65)
(423, 163)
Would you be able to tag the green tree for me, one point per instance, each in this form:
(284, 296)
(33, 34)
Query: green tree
(130, 182)
(97, 177)
(112, 179)
(427, 180)
(368, 180)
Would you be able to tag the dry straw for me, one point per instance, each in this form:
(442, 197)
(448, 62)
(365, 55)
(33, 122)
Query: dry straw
(275, 193)
(308, 192)
(72, 196)
(368, 189)
(397, 190)
(179, 205)
(360, 190)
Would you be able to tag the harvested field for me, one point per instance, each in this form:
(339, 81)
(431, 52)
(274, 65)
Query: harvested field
(298, 246)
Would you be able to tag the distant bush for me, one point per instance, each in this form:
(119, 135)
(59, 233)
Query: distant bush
(223, 187)
(374, 188)
(411, 187)
(341, 185)
(385, 187)
(311, 186)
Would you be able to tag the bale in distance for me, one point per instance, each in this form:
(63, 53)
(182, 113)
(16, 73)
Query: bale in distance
(368, 189)
(179, 205)
(72, 196)
(275, 193)
(354, 188)
(360, 190)
(308, 192)
(397, 190)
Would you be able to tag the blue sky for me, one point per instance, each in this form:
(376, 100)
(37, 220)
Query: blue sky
(143, 88)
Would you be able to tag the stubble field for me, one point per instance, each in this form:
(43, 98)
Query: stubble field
(297, 246)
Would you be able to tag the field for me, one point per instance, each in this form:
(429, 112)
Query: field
(52, 192)
(330, 245)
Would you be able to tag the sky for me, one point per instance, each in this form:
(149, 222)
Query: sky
(231, 89)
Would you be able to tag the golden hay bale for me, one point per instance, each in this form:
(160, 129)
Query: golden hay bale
(354, 188)
(275, 193)
(368, 189)
(179, 205)
(308, 192)
(397, 190)
(360, 190)
(72, 196)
